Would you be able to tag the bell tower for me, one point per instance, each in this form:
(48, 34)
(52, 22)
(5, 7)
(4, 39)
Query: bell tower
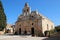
(26, 9)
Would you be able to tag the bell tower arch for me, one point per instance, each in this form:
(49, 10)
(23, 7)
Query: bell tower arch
(26, 9)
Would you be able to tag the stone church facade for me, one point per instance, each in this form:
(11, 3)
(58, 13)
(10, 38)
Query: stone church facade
(31, 21)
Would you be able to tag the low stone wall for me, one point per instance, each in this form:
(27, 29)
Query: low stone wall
(1, 32)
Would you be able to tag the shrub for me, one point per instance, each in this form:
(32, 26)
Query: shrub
(52, 31)
(57, 28)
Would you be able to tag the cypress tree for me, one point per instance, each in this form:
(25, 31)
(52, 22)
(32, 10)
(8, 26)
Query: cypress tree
(2, 17)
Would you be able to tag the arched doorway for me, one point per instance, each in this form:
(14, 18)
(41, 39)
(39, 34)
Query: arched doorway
(32, 31)
(19, 30)
(47, 33)
(25, 32)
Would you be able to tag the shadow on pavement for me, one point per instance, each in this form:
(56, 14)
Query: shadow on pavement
(52, 38)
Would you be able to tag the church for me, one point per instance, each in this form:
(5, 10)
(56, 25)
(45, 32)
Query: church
(32, 22)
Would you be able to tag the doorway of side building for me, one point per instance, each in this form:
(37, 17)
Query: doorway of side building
(32, 31)
(19, 30)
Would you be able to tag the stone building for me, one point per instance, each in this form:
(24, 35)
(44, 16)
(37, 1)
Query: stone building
(9, 29)
(31, 21)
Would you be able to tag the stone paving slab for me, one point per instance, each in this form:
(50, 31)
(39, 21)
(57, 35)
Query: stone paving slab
(20, 38)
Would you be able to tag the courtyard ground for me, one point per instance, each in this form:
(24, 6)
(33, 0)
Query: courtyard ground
(29, 37)
(18, 37)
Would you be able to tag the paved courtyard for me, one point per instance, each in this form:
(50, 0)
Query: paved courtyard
(14, 37)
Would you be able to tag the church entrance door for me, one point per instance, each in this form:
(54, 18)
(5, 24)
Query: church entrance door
(32, 31)
(19, 30)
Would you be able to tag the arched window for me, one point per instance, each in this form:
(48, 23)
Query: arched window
(27, 10)
(20, 25)
(32, 23)
(32, 16)
(51, 26)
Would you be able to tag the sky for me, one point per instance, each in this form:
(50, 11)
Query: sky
(48, 8)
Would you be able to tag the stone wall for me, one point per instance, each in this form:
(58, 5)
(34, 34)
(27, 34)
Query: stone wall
(47, 25)
(1, 32)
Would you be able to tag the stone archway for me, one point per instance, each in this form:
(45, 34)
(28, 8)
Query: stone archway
(47, 33)
(32, 31)
(19, 30)
(25, 32)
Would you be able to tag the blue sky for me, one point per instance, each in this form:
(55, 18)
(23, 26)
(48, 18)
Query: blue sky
(48, 8)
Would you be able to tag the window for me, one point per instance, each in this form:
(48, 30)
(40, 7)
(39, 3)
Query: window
(27, 10)
(47, 26)
(51, 27)
(20, 25)
(32, 16)
(32, 23)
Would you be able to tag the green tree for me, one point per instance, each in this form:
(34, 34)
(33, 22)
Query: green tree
(57, 28)
(2, 17)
